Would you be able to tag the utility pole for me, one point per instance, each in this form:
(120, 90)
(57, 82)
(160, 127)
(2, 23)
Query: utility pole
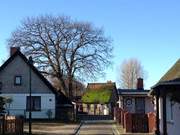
(30, 97)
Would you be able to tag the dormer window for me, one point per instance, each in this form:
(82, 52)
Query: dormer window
(17, 80)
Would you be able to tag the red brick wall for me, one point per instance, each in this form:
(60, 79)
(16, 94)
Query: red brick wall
(151, 122)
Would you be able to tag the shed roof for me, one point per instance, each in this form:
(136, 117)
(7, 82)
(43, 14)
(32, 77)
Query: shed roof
(133, 92)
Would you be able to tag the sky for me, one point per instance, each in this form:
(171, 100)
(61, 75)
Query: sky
(148, 30)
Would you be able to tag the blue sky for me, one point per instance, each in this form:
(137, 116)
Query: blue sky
(147, 30)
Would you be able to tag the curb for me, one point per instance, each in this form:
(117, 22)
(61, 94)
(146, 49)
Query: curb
(78, 129)
(115, 130)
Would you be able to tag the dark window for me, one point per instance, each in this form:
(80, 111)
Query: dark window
(17, 80)
(140, 105)
(172, 117)
(35, 103)
(0, 85)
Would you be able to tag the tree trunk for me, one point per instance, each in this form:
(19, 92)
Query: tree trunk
(70, 87)
(63, 85)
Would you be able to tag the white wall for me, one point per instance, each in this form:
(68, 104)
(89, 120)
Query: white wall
(18, 106)
(131, 107)
(161, 114)
(173, 123)
(149, 106)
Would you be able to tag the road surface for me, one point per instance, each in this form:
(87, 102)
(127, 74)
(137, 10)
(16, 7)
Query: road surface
(96, 128)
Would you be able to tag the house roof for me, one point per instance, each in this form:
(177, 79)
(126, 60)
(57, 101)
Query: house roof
(172, 77)
(172, 73)
(167, 83)
(99, 92)
(18, 53)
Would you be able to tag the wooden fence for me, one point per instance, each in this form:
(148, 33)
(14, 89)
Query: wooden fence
(139, 123)
(135, 123)
(65, 113)
(11, 125)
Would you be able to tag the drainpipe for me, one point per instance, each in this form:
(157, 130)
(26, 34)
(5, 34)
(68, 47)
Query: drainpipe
(164, 114)
(157, 132)
(30, 97)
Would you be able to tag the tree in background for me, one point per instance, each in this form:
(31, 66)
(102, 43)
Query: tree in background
(77, 86)
(130, 71)
(64, 48)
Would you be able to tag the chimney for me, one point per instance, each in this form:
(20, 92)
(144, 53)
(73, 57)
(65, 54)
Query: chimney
(14, 50)
(140, 85)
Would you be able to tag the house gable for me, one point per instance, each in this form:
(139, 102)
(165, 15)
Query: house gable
(18, 65)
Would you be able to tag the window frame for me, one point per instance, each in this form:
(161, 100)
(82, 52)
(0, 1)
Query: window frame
(170, 109)
(33, 107)
(15, 83)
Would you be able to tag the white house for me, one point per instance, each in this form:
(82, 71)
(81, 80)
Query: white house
(167, 98)
(15, 84)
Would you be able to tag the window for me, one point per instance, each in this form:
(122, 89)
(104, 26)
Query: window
(171, 106)
(0, 85)
(140, 105)
(35, 103)
(17, 80)
(169, 109)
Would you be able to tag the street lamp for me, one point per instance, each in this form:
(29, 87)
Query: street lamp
(30, 109)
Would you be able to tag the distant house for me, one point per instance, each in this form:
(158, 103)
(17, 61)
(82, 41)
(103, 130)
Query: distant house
(15, 84)
(100, 98)
(167, 95)
(135, 100)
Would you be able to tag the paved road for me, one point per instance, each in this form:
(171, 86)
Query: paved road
(52, 128)
(98, 129)
(85, 128)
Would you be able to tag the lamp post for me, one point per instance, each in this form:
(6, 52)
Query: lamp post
(30, 109)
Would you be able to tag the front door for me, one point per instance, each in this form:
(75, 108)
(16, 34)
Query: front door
(140, 105)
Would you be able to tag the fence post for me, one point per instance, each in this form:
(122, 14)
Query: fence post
(115, 114)
(151, 121)
(128, 122)
(123, 118)
(120, 116)
(3, 125)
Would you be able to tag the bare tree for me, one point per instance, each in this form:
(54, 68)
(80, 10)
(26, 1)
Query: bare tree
(130, 71)
(77, 86)
(64, 48)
